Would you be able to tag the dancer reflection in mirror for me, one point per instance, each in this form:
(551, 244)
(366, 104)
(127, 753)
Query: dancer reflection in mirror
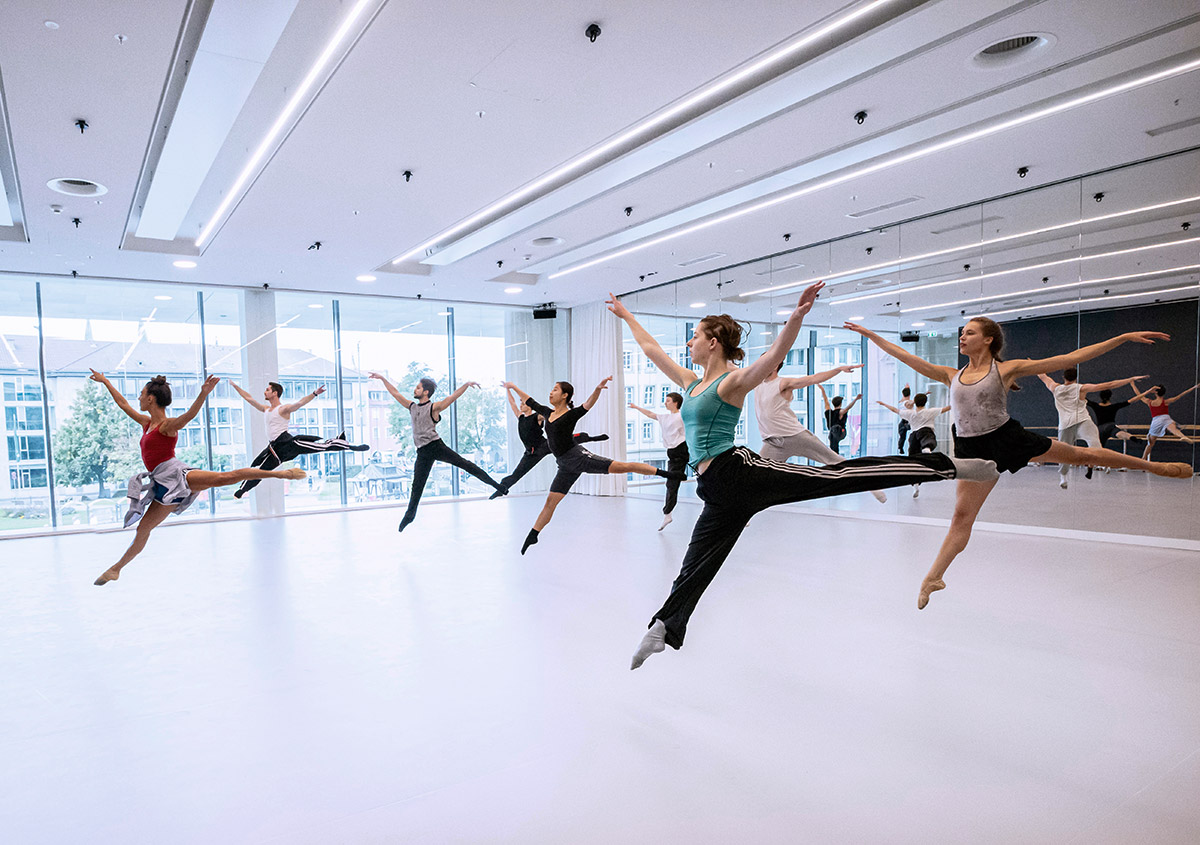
(983, 429)
(1161, 423)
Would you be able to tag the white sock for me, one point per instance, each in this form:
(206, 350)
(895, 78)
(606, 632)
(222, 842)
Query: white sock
(666, 521)
(652, 643)
(880, 496)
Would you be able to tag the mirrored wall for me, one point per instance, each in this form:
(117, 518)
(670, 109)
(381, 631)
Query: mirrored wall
(1059, 267)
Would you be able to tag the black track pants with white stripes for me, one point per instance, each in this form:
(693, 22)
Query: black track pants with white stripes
(738, 484)
(287, 447)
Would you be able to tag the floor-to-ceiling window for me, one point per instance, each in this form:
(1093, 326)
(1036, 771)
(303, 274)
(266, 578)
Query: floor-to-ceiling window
(24, 468)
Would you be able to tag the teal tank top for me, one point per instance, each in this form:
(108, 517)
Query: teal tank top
(709, 422)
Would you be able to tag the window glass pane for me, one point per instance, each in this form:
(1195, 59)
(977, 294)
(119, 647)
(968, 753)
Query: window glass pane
(24, 494)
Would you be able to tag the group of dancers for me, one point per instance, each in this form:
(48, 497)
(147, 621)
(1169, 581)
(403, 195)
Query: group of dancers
(733, 482)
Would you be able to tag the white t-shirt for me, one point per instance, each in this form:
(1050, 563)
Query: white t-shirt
(774, 411)
(1072, 408)
(672, 429)
(919, 418)
(277, 423)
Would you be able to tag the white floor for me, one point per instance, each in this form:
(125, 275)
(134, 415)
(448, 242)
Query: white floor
(321, 679)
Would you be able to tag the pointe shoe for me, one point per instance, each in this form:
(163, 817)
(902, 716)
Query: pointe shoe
(928, 588)
(106, 576)
(880, 496)
(295, 473)
(652, 643)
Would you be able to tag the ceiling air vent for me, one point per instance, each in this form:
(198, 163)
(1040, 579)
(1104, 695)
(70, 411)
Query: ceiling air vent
(1011, 50)
(1009, 44)
(771, 270)
(700, 259)
(887, 206)
(546, 241)
(76, 187)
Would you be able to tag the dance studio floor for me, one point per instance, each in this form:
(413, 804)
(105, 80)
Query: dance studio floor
(320, 679)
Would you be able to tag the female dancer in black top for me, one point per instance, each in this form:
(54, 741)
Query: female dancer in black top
(529, 429)
(983, 428)
(1105, 411)
(573, 460)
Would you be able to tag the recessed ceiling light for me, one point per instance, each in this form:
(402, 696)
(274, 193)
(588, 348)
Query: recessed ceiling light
(163, 298)
(513, 290)
(315, 305)
(365, 277)
(966, 136)
(184, 264)
(855, 319)
(51, 24)
(277, 127)
(697, 305)
(917, 325)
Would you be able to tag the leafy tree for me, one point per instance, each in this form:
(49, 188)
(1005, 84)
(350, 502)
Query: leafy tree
(399, 420)
(86, 444)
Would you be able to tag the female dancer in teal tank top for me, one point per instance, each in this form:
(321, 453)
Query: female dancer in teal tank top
(735, 483)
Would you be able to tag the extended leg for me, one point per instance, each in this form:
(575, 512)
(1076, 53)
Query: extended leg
(421, 469)
(445, 453)
(677, 459)
(528, 461)
(1080, 456)
(201, 479)
(266, 459)
(969, 498)
(1174, 429)
(151, 519)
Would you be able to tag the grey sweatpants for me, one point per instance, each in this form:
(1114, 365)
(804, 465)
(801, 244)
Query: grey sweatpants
(1085, 431)
(802, 445)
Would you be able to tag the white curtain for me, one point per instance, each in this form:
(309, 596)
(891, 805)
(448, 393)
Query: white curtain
(596, 353)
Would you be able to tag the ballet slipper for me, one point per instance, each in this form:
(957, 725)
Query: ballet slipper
(106, 576)
(1173, 470)
(667, 520)
(928, 587)
(295, 473)
(652, 643)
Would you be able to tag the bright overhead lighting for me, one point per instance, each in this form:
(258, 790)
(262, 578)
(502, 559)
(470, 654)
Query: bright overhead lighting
(782, 312)
(954, 140)
(162, 297)
(697, 305)
(443, 313)
(912, 259)
(293, 104)
(1088, 299)
(1039, 266)
(1044, 288)
(184, 264)
(513, 290)
(662, 117)
(767, 332)
(315, 305)
(918, 325)
(406, 326)
(855, 319)
(365, 277)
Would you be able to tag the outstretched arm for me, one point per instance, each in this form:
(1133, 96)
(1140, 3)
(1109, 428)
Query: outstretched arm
(174, 425)
(141, 419)
(254, 403)
(933, 371)
(944, 410)
(1141, 395)
(521, 393)
(1013, 370)
(891, 408)
(1181, 395)
(682, 376)
(300, 403)
(824, 396)
(591, 400)
(740, 382)
(512, 403)
(1107, 385)
(650, 414)
(391, 388)
(1049, 382)
(853, 402)
(443, 404)
(816, 378)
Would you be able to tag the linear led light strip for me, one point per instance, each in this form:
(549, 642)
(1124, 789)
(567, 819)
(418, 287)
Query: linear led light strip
(899, 263)
(141, 334)
(982, 276)
(1083, 283)
(273, 133)
(903, 158)
(646, 125)
(11, 353)
(1089, 299)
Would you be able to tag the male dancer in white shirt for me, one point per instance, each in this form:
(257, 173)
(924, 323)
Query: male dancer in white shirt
(1074, 421)
(676, 445)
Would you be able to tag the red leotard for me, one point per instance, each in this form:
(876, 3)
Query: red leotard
(156, 447)
(1159, 410)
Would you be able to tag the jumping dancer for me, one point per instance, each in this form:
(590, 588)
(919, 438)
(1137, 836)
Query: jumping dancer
(676, 445)
(734, 483)
(1161, 423)
(782, 435)
(903, 428)
(168, 485)
(1105, 411)
(920, 419)
(282, 445)
(426, 414)
(1074, 422)
(835, 417)
(983, 429)
(529, 429)
(573, 460)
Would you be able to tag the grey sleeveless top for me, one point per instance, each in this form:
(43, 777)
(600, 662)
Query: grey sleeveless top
(423, 423)
(979, 408)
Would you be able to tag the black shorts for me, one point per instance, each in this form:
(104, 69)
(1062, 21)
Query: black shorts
(1010, 446)
(575, 462)
(920, 440)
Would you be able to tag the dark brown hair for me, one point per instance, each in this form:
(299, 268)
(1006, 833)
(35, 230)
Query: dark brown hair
(677, 398)
(568, 390)
(160, 390)
(920, 400)
(429, 386)
(990, 328)
(727, 332)
(1070, 374)
(277, 387)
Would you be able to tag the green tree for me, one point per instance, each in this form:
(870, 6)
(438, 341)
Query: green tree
(87, 444)
(481, 420)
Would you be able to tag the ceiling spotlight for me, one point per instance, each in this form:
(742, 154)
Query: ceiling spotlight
(1098, 197)
(365, 277)
(702, 304)
(1185, 225)
(628, 210)
(1022, 172)
(162, 297)
(82, 124)
(120, 39)
(407, 174)
(787, 236)
(592, 32)
(513, 290)
(860, 118)
(184, 264)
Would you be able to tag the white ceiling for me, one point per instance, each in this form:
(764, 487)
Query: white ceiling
(407, 94)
